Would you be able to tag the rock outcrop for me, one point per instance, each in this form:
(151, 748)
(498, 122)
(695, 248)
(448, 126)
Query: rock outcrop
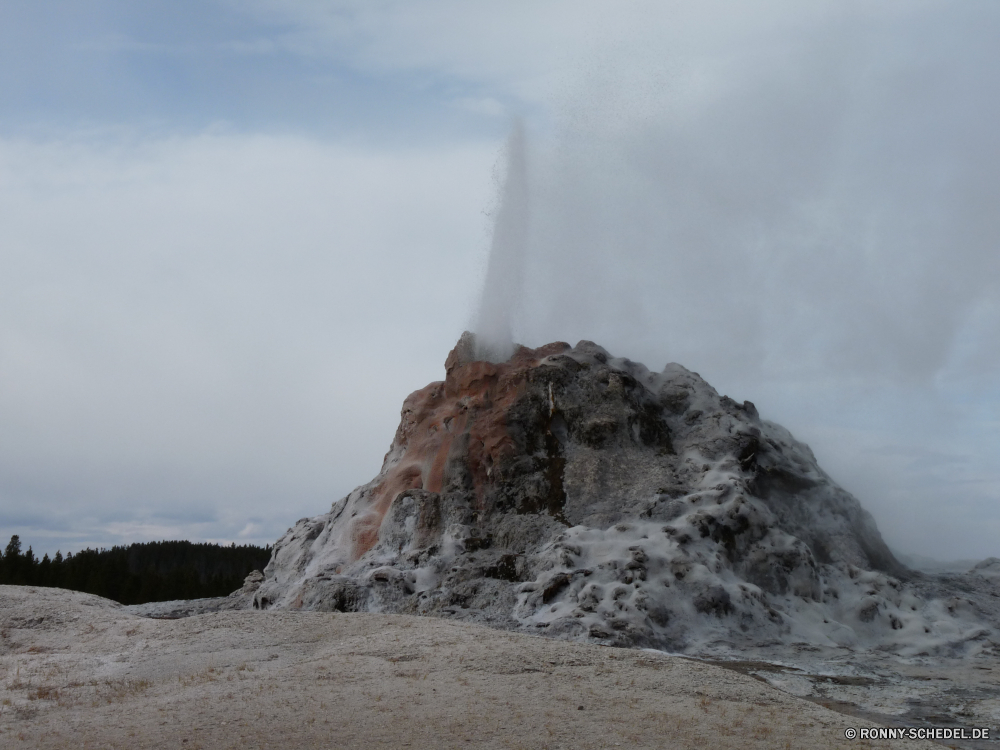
(570, 492)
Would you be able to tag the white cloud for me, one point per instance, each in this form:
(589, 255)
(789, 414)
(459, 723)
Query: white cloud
(534, 49)
(487, 106)
(221, 322)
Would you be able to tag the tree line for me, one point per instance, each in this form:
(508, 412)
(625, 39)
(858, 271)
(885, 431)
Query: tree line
(138, 573)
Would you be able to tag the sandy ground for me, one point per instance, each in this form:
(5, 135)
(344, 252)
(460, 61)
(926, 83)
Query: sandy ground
(81, 672)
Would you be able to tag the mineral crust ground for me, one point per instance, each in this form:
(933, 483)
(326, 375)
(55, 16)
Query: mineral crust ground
(82, 672)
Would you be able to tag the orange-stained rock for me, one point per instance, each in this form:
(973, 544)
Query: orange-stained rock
(460, 420)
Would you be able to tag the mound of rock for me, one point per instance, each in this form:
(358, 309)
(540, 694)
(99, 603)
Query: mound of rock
(570, 492)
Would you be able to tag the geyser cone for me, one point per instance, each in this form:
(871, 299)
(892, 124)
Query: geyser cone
(572, 493)
(502, 286)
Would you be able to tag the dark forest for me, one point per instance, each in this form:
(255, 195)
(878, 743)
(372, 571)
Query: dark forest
(139, 573)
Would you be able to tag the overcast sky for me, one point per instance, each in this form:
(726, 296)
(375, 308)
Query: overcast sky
(235, 235)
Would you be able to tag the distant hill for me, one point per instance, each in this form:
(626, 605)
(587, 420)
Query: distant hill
(138, 573)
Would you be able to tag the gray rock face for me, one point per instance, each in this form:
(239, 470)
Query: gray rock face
(577, 494)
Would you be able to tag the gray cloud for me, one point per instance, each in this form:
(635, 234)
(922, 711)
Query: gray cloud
(195, 332)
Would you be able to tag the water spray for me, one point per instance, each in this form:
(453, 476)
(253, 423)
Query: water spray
(504, 271)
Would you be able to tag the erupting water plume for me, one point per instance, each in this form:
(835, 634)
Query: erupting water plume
(502, 286)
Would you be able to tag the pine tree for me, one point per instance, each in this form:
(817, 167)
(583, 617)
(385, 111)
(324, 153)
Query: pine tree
(139, 573)
(13, 550)
(13, 562)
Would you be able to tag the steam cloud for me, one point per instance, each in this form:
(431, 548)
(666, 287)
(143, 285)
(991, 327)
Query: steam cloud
(801, 206)
(807, 195)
